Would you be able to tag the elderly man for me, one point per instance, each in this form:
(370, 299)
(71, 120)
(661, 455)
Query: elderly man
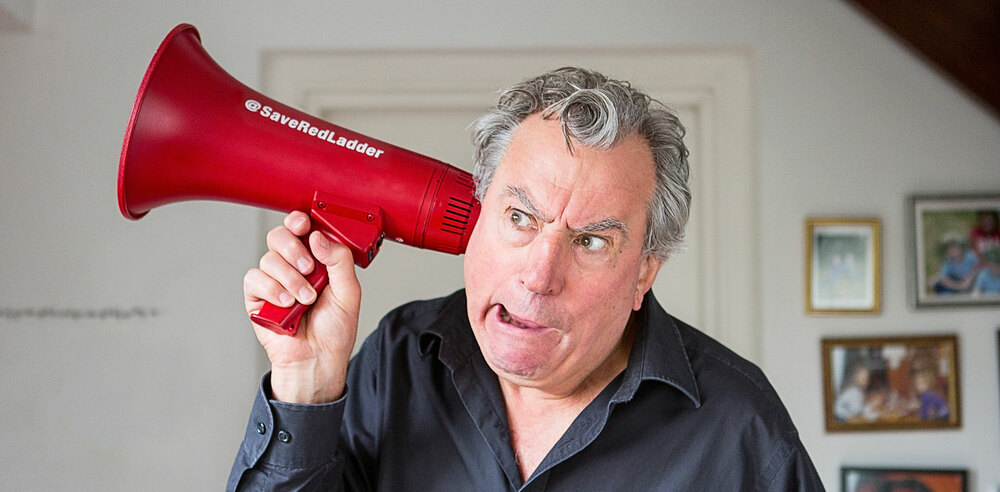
(555, 368)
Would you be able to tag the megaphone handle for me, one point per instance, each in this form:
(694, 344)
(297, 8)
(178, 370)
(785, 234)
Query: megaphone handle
(359, 228)
(285, 320)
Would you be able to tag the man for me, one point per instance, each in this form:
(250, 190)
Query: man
(555, 369)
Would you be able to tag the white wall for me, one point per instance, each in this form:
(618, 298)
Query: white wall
(849, 123)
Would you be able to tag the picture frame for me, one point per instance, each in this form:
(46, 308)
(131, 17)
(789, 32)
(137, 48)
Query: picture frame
(843, 271)
(891, 383)
(864, 479)
(954, 249)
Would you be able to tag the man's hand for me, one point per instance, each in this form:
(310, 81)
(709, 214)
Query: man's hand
(310, 367)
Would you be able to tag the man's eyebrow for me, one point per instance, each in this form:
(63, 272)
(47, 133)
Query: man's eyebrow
(608, 224)
(522, 196)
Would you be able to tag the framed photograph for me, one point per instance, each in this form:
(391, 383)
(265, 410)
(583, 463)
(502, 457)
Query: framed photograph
(842, 266)
(955, 249)
(902, 480)
(891, 383)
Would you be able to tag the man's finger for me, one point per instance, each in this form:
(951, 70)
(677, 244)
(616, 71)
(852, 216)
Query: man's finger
(297, 222)
(290, 278)
(283, 241)
(259, 287)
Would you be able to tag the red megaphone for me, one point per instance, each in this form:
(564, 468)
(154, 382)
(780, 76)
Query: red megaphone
(198, 133)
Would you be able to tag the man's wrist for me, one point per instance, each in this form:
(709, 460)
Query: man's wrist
(307, 383)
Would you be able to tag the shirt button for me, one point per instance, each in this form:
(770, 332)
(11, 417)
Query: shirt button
(261, 428)
(284, 436)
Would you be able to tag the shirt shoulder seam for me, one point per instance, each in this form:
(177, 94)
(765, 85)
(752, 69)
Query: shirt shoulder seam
(756, 381)
(789, 449)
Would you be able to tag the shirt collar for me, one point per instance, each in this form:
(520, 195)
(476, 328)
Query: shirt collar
(658, 352)
(450, 333)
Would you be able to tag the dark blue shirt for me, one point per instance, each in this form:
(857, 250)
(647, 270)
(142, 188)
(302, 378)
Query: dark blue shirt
(423, 411)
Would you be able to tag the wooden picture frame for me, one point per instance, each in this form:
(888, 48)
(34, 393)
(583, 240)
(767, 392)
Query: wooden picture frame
(843, 267)
(891, 383)
(864, 479)
(954, 249)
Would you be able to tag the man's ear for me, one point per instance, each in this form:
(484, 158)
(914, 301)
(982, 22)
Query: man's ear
(647, 274)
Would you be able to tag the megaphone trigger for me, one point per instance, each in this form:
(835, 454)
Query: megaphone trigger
(358, 227)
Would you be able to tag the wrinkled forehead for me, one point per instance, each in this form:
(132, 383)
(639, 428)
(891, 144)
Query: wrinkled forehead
(589, 183)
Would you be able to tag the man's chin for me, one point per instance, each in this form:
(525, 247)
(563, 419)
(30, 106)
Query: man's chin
(516, 365)
(520, 373)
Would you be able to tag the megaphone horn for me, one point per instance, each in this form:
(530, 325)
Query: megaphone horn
(196, 133)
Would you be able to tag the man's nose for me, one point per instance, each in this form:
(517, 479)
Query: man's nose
(545, 268)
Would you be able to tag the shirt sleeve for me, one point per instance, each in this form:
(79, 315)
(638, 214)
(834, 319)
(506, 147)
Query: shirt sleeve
(289, 446)
(849, 404)
(331, 446)
(981, 279)
(797, 472)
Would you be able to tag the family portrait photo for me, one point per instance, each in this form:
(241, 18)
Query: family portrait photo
(956, 249)
(891, 383)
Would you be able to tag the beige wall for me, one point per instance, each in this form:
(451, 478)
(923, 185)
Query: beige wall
(849, 123)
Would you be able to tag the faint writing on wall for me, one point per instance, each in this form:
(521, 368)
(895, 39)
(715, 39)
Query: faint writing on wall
(69, 313)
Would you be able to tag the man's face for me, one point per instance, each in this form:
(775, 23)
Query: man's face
(555, 265)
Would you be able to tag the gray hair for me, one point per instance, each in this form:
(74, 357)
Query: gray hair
(597, 112)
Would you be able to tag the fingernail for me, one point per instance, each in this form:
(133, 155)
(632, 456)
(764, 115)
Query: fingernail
(285, 298)
(298, 222)
(323, 241)
(306, 294)
(303, 264)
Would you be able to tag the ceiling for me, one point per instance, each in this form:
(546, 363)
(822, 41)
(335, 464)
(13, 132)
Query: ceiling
(961, 38)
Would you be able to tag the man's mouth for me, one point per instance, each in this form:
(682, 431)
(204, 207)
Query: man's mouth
(511, 319)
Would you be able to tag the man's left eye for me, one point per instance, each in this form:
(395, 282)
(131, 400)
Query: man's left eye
(519, 218)
(592, 243)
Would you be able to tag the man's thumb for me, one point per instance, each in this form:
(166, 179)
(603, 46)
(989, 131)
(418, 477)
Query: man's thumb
(339, 264)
